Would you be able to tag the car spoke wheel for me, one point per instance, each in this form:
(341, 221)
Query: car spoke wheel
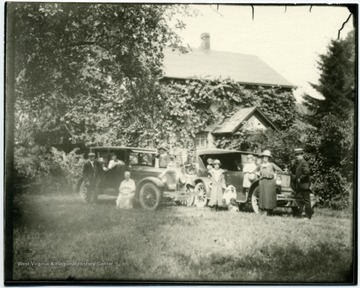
(149, 196)
(200, 195)
(255, 200)
(190, 197)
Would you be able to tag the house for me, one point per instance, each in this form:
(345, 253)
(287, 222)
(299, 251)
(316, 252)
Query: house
(208, 64)
(248, 70)
(248, 118)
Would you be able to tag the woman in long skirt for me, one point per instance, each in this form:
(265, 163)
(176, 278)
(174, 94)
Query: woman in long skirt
(267, 198)
(218, 185)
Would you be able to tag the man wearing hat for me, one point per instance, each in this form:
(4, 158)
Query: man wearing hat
(302, 178)
(89, 175)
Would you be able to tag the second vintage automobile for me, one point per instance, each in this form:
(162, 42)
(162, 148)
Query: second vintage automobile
(233, 162)
(151, 189)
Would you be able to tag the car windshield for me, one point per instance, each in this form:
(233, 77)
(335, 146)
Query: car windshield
(105, 155)
(142, 159)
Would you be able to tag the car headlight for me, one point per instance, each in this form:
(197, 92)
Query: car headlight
(278, 181)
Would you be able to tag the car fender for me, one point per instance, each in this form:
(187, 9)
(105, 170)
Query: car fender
(253, 186)
(206, 182)
(154, 180)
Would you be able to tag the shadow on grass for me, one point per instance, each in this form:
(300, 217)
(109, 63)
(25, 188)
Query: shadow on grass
(178, 242)
(272, 264)
(71, 214)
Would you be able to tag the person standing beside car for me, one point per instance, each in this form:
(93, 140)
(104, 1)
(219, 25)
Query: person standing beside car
(89, 174)
(302, 178)
(218, 186)
(267, 187)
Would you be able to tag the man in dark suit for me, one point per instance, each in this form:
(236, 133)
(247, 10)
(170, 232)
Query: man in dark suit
(89, 175)
(303, 182)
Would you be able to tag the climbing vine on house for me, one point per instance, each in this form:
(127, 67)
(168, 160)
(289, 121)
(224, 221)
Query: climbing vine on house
(185, 106)
(175, 111)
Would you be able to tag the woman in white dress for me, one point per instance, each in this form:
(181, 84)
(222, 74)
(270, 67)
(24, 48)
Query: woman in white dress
(218, 186)
(126, 193)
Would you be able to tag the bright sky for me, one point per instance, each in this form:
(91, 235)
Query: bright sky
(289, 42)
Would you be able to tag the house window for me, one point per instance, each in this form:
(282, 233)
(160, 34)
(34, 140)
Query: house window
(201, 141)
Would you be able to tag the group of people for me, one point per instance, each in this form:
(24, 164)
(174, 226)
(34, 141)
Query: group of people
(219, 195)
(266, 172)
(127, 186)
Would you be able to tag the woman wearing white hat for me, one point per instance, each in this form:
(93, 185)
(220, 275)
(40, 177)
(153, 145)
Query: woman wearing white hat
(218, 185)
(267, 198)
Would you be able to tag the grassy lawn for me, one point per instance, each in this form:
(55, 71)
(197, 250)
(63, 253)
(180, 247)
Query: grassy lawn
(98, 242)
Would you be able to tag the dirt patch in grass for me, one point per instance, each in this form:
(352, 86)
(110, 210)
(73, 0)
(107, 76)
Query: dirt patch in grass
(98, 242)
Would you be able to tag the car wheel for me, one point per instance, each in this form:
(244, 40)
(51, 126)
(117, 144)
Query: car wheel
(242, 206)
(190, 198)
(200, 195)
(149, 196)
(297, 211)
(255, 200)
(84, 192)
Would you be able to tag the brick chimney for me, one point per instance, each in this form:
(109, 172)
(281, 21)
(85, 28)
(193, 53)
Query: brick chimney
(205, 42)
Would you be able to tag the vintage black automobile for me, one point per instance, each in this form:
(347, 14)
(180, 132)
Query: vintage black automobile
(233, 162)
(141, 162)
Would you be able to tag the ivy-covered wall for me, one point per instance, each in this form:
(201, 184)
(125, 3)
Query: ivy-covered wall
(186, 105)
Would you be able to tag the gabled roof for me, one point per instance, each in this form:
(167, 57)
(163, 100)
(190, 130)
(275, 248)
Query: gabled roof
(231, 124)
(213, 65)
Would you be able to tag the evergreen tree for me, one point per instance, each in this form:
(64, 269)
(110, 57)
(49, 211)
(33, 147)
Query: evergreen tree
(336, 83)
(331, 147)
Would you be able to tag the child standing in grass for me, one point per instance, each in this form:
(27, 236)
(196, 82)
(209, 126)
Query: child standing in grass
(218, 185)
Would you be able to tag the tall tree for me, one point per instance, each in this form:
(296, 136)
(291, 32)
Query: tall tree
(337, 81)
(331, 147)
(75, 63)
